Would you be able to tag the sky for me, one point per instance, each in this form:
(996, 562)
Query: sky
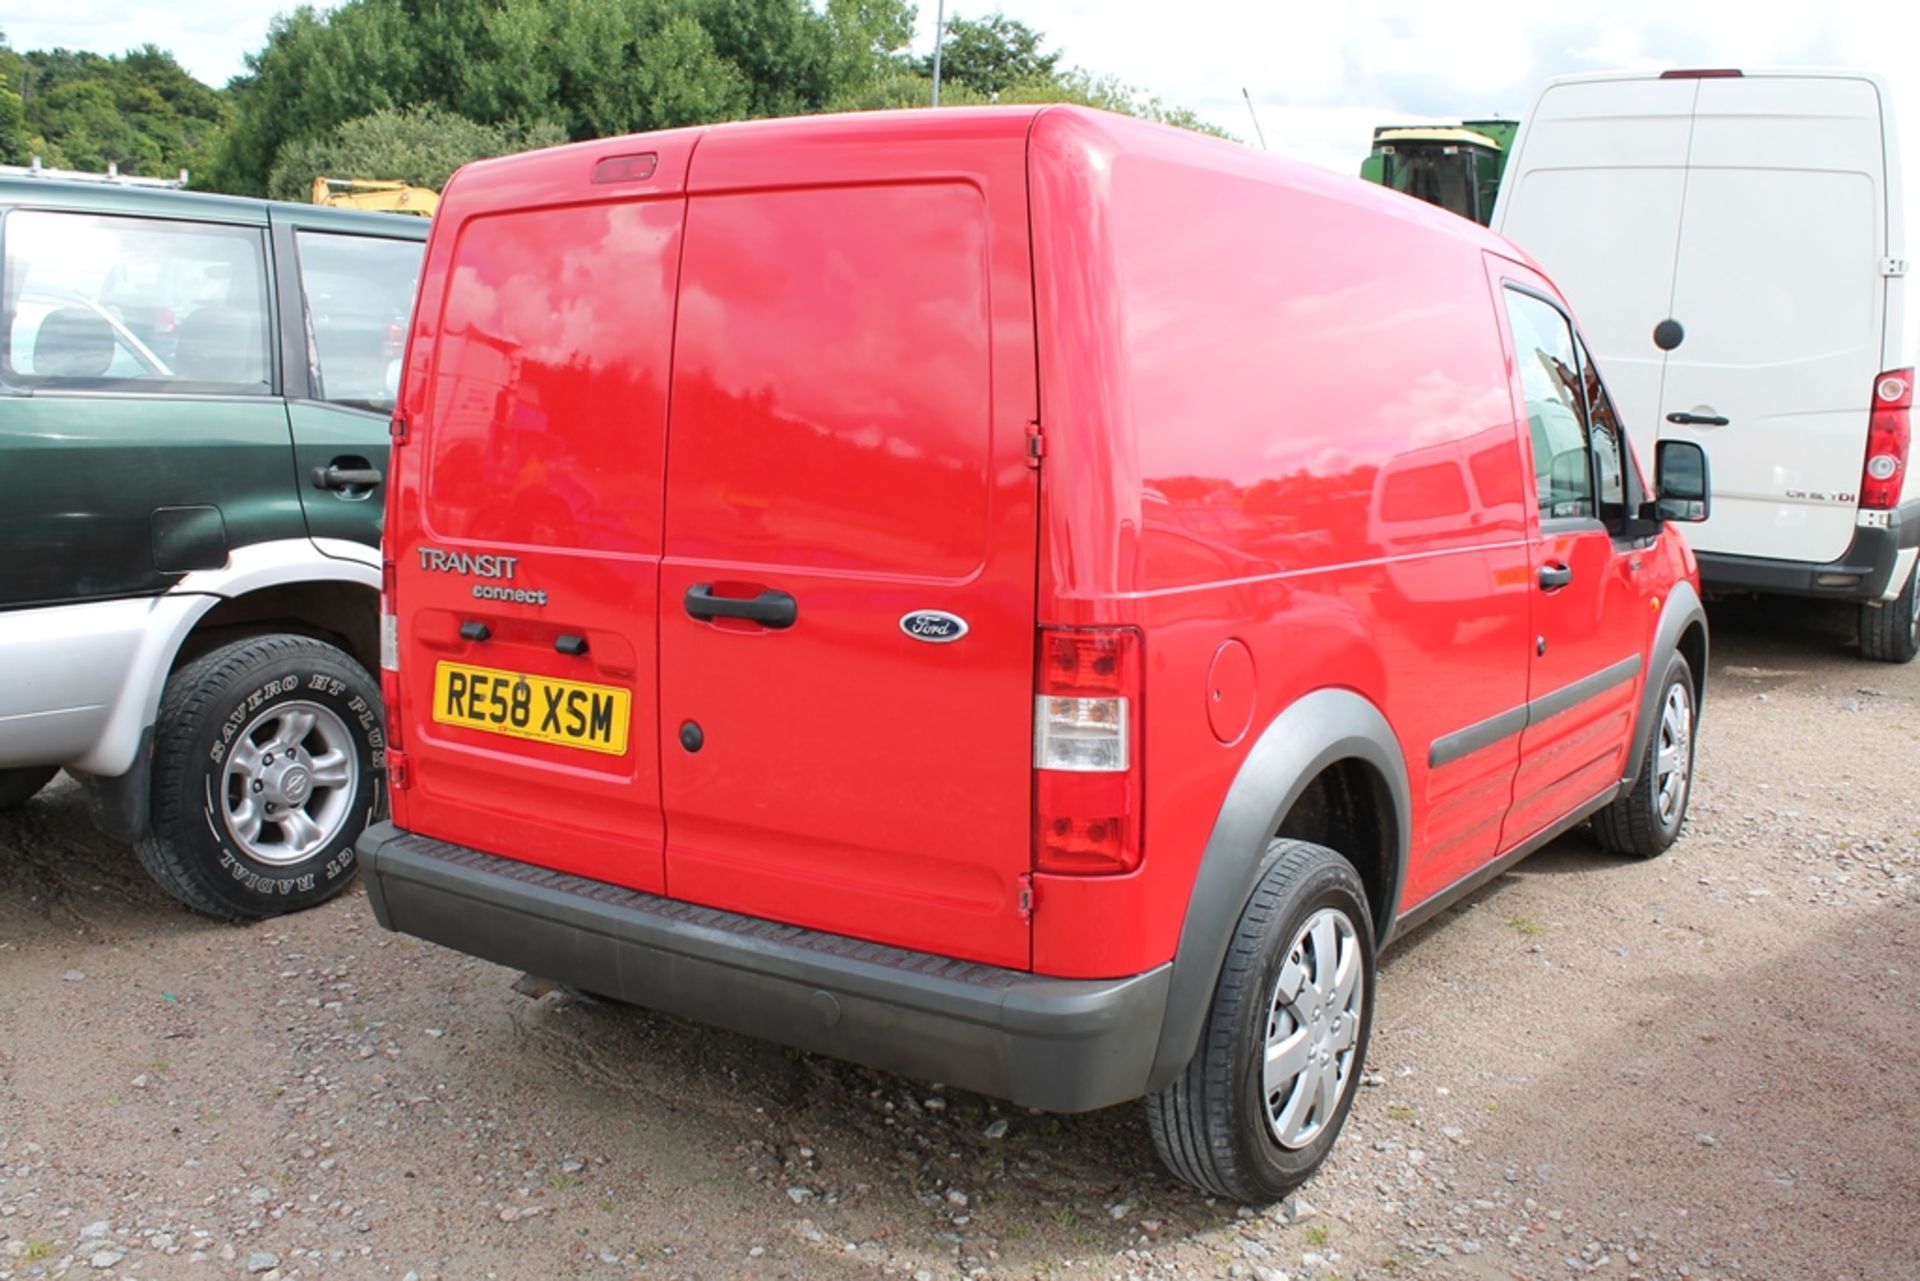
(1320, 75)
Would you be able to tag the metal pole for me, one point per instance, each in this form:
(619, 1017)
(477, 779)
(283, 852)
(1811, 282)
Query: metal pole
(939, 38)
(1258, 132)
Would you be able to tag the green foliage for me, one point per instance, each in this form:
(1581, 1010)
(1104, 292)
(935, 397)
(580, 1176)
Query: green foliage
(142, 111)
(421, 145)
(593, 67)
(411, 89)
(999, 59)
(1108, 94)
(991, 56)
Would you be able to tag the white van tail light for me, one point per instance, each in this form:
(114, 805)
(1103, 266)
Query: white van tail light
(396, 760)
(1086, 753)
(389, 622)
(1889, 439)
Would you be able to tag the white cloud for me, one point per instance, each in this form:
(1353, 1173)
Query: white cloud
(1322, 75)
(210, 38)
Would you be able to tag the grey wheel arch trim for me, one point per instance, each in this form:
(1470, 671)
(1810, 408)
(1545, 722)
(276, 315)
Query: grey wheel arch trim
(1681, 611)
(1316, 731)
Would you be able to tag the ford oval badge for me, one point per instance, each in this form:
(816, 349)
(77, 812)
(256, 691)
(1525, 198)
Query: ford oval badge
(935, 626)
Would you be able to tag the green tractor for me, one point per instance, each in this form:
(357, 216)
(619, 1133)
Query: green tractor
(1457, 167)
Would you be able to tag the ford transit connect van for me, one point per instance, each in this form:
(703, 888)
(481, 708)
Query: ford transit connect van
(1737, 246)
(1022, 597)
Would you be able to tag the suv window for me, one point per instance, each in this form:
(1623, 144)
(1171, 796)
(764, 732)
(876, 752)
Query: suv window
(138, 304)
(1550, 379)
(358, 291)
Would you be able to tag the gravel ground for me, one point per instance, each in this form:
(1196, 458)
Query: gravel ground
(1706, 1066)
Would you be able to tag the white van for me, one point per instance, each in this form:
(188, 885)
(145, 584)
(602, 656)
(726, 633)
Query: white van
(1736, 246)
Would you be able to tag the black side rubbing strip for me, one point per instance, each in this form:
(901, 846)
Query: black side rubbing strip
(1464, 742)
(1568, 697)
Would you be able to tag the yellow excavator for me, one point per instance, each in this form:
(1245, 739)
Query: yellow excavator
(375, 193)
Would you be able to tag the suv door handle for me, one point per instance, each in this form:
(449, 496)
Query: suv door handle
(771, 608)
(1698, 420)
(1554, 577)
(334, 476)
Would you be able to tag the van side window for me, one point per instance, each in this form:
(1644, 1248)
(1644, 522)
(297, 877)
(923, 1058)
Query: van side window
(134, 304)
(1556, 410)
(358, 291)
(1608, 437)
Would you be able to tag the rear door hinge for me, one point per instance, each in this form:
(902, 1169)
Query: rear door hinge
(398, 427)
(1025, 896)
(1893, 266)
(1036, 445)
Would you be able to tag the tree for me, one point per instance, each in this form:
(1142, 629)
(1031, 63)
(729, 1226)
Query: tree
(13, 117)
(594, 67)
(142, 112)
(421, 145)
(991, 55)
(1108, 93)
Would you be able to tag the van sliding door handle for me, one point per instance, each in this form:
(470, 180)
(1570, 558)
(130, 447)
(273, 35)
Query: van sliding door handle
(1554, 577)
(770, 608)
(1698, 420)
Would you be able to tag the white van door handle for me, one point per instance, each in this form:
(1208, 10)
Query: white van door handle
(1698, 420)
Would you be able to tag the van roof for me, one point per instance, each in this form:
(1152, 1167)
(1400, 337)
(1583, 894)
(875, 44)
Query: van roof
(785, 141)
(1741, 73)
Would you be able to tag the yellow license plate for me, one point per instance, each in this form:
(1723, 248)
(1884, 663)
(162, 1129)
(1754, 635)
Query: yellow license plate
(540, 708)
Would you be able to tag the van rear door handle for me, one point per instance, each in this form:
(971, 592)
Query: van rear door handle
(1554, 577)
(1698, 420)
(771, 608)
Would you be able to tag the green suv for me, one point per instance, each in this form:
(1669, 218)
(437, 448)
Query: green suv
(194, 403)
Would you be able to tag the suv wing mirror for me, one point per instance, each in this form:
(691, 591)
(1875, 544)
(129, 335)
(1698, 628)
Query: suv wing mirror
(1682, 481)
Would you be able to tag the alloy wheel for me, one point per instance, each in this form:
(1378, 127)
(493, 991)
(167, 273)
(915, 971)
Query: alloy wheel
(290, 777)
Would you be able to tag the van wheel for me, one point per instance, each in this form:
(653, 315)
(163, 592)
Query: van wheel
(1260, 1105)
(267, 765)
(1647, 819)
(18, 786)
(1890, 632)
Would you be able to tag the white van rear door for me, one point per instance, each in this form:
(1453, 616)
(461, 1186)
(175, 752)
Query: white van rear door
(1779, 290)
(1595, 194)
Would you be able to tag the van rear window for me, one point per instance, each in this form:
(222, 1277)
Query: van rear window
(831, 380)
(550, 378)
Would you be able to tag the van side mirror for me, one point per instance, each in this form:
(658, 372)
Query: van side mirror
(1682, 481)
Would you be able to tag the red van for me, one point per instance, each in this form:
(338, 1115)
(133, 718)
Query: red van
(1022, 597)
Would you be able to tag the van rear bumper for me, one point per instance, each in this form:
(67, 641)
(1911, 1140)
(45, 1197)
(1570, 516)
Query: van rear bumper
(1065, 1045)
(1864, 573)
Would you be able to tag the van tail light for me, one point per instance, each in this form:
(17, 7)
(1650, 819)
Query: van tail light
(1889, 438)
(390, 674)
(1086, 751)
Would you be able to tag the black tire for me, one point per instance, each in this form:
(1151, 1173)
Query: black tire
(1645, 822)
(227, 720)
(1212, 1127)
(20, 784)
(1890, 632)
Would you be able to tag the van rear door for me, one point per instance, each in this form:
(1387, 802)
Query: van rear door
(525, 525)
(1778, 287)
(847, 598)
